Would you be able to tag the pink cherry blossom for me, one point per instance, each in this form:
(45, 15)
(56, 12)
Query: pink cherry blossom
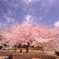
(35, 34)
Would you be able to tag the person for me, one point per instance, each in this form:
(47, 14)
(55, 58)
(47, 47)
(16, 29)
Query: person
(10, 57)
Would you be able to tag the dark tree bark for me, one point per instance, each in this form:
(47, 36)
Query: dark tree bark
(15, 48)
(27, 47)
(20, 48)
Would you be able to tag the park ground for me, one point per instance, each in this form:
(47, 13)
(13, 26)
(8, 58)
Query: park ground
(30, 55)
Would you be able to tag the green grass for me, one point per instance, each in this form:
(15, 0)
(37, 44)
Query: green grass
(34, 48)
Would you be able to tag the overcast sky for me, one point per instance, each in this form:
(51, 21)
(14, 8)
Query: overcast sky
(26, 11)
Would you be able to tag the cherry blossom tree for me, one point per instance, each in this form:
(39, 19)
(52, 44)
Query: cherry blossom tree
(34, 34)
(47, 34)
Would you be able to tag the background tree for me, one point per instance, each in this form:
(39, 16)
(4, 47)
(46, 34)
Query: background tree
(32, 33)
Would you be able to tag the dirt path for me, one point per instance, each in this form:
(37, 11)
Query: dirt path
(23, 55)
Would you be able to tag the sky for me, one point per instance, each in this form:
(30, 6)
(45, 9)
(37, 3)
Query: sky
(27, 11)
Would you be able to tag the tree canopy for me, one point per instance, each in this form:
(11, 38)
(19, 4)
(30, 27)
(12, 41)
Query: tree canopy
(36, 34)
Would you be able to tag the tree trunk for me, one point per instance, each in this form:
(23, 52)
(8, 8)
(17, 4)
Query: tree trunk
(15, 48)
(20, 50)
(27, 49)
(8, 48)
